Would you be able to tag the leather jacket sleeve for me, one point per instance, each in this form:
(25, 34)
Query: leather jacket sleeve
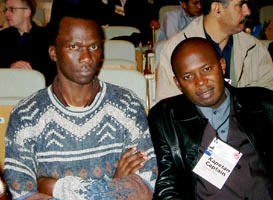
(167, 182)
(175, 179)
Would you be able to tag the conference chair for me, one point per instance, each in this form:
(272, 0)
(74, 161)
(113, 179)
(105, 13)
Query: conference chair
(45, 6)
(130, 79)
(15, 84)
(20, 83)
(152, 78)
(162, 12)
(120, 54)
(165, 9)
(117, 31)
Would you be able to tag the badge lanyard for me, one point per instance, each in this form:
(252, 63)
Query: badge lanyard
(217, 134)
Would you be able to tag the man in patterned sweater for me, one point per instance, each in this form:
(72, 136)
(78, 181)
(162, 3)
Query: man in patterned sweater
(80, 138)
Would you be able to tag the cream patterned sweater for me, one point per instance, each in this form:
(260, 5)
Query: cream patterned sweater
(79, 146)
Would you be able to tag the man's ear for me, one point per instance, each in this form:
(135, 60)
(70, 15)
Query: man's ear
(177, 83)
(223, 65)
(52, 53)
(215, 8)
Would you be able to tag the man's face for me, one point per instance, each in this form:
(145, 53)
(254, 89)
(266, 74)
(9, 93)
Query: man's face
(192, 8)
(233, 16)
(199, 75)
(78, 50)
(17, 13)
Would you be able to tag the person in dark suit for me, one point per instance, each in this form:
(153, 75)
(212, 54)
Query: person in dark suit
(24, 44)
(131, 13)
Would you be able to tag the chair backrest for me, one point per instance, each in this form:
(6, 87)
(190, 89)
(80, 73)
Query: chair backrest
(20, 83)
(119, 64)
(15, 84)
(162, 12)
(45, 6)
(165, 9)
(126, 78)
(122, 50)
(6, 105)
(116, 31)
(266, 14)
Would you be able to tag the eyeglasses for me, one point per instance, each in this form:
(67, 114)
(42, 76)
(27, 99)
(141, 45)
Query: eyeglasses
(12, 9)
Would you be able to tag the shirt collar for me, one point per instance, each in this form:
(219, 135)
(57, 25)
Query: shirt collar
(223, 109)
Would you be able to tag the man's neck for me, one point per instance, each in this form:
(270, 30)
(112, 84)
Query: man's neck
(76, 96)
(214, 31)
(24, 28)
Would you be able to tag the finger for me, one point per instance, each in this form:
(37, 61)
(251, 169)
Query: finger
(135, 162)
(38, 196)
(132, 163)
(26, 65)
(125, 155)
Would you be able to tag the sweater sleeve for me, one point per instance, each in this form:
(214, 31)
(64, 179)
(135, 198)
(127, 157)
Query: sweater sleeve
(129, 187)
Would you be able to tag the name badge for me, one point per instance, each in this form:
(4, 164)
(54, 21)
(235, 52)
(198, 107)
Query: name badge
(217, 163)
(119, 10)
(228, 80)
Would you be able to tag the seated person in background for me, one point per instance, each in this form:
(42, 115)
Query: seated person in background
(131, 13)
(95, 8)
(184, 126)
(24, 44)
(222, 22)
(80, 137)
(176, 20)
(113, 13)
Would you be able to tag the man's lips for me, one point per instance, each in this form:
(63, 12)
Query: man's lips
(205, 94)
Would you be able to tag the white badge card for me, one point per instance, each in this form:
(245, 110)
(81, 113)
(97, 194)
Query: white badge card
(119, 10)
(217, 163)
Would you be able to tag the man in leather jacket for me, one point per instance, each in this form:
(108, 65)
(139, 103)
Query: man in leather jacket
(184, 126)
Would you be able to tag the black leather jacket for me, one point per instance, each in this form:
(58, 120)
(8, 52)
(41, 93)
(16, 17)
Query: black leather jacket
(177, 128)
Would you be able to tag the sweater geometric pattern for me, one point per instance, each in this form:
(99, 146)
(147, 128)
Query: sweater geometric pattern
(81, 145)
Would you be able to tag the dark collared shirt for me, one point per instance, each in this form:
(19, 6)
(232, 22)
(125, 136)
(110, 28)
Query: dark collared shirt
(226, 53)
(248, 180)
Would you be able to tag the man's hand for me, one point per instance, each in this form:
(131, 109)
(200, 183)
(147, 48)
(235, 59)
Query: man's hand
(46, 185)
(21, 65)
(38, 196)
(130, 162)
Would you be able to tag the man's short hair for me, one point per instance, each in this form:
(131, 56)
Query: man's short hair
(206, 4)
(53, 26)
